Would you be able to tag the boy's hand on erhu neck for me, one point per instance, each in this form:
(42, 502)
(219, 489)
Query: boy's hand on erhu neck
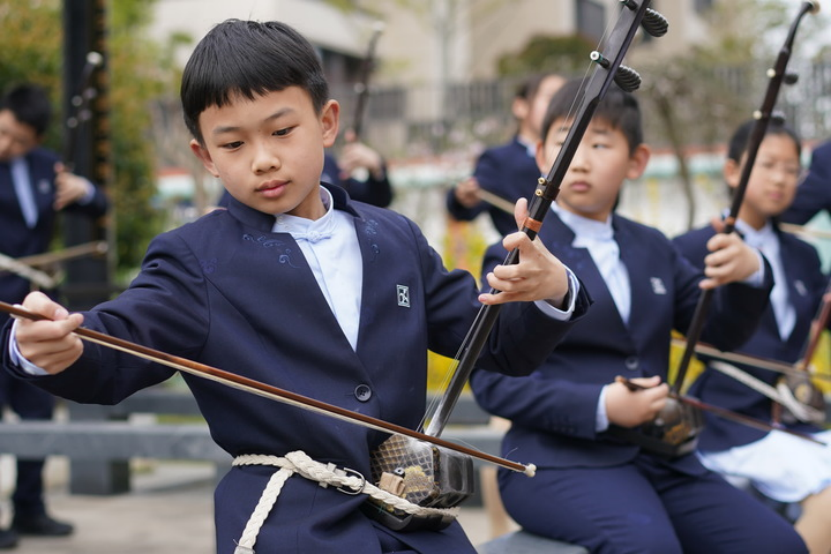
(539, 275)
(629, 408)
(49, 344)
(467, 192)
(730, 261)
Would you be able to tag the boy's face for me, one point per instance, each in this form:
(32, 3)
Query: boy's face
(597, 171)
(773, 181)
(268, 152)
(531, 112)
(16, 138)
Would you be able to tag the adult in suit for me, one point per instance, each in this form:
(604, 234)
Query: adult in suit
(34, 188)
(508, 171)
(814, 193)
(296, 286)
(594, 485)
(780, 466)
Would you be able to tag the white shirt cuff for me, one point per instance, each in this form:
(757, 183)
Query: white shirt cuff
(601, 420)
(18, 359)
(757, 279)
(557, 313)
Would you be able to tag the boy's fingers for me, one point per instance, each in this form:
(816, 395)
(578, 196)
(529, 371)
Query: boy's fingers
(520, 213)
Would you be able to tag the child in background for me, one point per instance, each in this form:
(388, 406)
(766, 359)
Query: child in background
(781, 466)
(593, 488)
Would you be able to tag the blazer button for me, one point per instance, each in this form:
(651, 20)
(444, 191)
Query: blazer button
(631, 363)
(363, 393)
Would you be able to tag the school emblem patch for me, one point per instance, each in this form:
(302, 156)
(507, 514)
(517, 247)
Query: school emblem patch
(403, 292)
(657, 285)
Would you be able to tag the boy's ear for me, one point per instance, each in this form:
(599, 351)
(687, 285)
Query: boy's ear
(542, 163)
(638, 161)
(330, 121)
(520, 108)
(732, 173)
(204, 156)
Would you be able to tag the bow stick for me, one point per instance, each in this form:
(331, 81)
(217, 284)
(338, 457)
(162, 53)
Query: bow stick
(608, 68)
(40, 278)
(746, 359)
(265, 390)
(777, 75)
(722, 412)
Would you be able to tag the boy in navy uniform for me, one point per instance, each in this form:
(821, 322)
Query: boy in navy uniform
(295, 286)
(592, 488)
(508, 171)
(34, 188)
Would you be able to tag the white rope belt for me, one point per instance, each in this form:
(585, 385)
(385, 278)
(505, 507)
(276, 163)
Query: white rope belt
(781, 393)
(345, 480)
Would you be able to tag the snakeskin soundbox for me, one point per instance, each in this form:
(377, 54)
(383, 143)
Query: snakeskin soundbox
(422, 473)
(674, 432)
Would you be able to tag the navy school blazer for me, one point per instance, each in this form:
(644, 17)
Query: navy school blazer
(16, 238)
(806, 284)
(507, 171)
(228, 292)
(553, 411)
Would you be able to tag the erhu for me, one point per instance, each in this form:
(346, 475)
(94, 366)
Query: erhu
(679, 424)
(431, 476)
(799, 384)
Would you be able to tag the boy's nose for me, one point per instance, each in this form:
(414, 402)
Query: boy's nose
(265, 160)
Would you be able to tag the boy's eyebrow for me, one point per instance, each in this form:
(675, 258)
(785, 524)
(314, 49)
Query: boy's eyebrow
(231, 128)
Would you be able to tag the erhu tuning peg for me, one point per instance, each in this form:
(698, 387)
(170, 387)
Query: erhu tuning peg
(790, 78)
(654, 23)
(627, 78)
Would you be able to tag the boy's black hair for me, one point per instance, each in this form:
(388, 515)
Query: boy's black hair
(528, 88)
(618, 107)
(29, 103)
(248, 58)
(741, 137)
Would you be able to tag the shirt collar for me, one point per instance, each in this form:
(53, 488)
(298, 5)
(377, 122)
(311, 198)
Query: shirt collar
(311, 229)
(584, 227)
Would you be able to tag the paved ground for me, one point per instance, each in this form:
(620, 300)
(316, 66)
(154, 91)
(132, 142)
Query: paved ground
(169, 512)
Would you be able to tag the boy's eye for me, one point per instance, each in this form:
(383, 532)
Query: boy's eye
(283, 132)
(231, 145)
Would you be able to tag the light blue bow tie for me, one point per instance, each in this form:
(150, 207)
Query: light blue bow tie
(313, 236)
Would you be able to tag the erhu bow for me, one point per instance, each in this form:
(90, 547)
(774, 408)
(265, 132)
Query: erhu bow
(799, 384)
(261, 389)
(777, 75)
(438, 479)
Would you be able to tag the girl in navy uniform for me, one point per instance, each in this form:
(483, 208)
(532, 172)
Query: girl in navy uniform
(781, 466)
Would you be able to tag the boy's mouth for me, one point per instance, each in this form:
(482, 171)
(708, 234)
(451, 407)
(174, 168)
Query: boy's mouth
(272, 188)
(579, 186)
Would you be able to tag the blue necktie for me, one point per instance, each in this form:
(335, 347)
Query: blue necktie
(23, 187)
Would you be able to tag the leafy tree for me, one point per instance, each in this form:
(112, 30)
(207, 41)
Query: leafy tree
(544, 53)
